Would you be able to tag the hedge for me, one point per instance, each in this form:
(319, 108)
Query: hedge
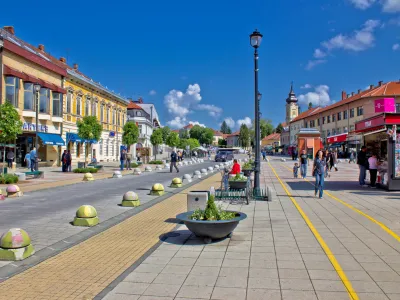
(86, 170)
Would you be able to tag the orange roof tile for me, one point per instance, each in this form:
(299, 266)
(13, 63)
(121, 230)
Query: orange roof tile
(218, 133)
(273, 136)
(306, 113)
(133, 105)
(189, 126)
(233, 134)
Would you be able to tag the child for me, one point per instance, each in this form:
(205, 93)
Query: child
(295, 170)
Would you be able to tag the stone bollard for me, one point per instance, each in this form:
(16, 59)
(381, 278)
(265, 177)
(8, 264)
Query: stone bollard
(117, 174)
(13, 191)
(130, 199)
(137, 171)
(221, 165)
(148, 169)
(216, 167)
(167, 166)
(210, 169)
(197, 174)
(86, 215)
(203, 172)
(3, 194)
(15, 244)
(176, 183)
(158, 168)
(187, 178)
(157, 190)
(88, 177)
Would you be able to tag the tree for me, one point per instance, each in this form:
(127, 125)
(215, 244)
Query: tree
(156, 139)
(225, 129)
(89, 128)
(266, 128)
(173, 139)
(10, 125)
(183, 134)
(165, 133)
(222, 143)
(279, 128)
(244, 136)
(192, 143)
(130, 135)
(310, 105)
(196, 131)
(207, 136)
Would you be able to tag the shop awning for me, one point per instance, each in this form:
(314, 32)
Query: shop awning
(51, 139)
(73, 137)
(337, 138)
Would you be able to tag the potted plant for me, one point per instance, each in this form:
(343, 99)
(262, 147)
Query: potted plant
(248, 168)
(238, 182)
(213, 222)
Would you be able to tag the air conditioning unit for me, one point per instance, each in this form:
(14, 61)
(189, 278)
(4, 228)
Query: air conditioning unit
(197, 200)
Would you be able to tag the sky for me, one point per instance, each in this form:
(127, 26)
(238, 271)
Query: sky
(193, 59)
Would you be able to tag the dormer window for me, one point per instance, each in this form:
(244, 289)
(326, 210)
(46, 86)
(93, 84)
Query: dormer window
(139, 113)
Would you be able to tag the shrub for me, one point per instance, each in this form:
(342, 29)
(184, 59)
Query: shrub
(134, 165)
(238, 177)
(212, 212)
(8, 179)
(156, 162)
(85, 170)
(248, 165)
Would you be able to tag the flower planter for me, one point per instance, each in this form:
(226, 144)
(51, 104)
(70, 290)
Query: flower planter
(247, 172)
(210, 230)
(237, 185)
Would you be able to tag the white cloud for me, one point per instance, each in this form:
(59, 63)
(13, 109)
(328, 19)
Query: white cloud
(312, 63)
(318, 53)
(177, 122)
(306, 86)
(246, 121)
(362, 4)
(360, 40)
(230, 122)
(320, 96)
(391, 6)
(197, 123)
(180, 104)
(396, 47)
(152, 92)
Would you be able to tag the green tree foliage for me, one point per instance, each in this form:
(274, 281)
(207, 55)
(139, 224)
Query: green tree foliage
(156, 139)
(193, 143)
(279, 128)
(89, 128)
(310, 105)
(165, 133)
(173, 139)
(225, 128)
(207, 136)
(222, 143)
(130, 135)
(184, 134)
(10, 125)
(244, 136)
(196, 131)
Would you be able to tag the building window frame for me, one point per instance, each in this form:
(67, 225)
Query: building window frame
(333, 117)
(12, 90)
(360, 111)
(345, 114)
(94, 108)
(29, 96)
(57, 104)
(339, 116)
(87, 106)
(352, 113)
(102, 112)
(44, 98)
(68, 105)
(78, 105)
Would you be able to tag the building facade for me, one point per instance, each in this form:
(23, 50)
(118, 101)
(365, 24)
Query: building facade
(232, 140)
(22, 67)
(298, 123)
(273, 140)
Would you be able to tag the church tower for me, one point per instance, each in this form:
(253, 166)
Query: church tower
(292, 108)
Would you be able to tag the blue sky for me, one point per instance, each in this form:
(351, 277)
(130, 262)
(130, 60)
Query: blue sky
(193, 59)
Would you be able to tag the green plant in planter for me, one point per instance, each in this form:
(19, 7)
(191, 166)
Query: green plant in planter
(212, 212)
(248, 165)
(238, 177)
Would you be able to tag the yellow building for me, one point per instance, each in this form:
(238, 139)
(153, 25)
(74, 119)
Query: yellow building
(21, 67)
(272, 140)
(86, 97)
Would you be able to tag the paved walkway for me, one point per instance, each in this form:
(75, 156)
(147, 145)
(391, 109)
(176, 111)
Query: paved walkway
(295, 247)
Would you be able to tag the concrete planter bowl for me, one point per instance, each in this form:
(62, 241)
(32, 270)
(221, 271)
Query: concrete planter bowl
(211, 230)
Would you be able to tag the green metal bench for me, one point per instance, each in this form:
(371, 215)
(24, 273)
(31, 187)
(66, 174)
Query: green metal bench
(35, 174)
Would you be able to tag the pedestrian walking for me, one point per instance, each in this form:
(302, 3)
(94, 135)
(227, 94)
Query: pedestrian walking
(122, 159)
(128, 161)
(10, 158)
(296, 170)
(319, 173)
(303, 164)
(352, 157)
(373, 169)
(362, 165)
(34, 159)
(27, 159)
(69, 161)
(64, 163)
(264, 154)
(335, 159)
(174, 159)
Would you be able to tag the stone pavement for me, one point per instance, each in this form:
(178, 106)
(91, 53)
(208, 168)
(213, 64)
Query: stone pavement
(86, 269)
(276, 254)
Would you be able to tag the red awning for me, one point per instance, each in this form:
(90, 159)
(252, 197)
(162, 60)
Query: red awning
(337, 138)
(366, 130)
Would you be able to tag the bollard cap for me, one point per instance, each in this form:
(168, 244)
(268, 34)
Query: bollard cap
(176, 180)
(88, 175)
(158, 187)
(86, 211)
(15, 238)
(13, 188)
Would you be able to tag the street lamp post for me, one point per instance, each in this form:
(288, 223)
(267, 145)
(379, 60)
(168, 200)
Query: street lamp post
(255, 41)
(36, 88)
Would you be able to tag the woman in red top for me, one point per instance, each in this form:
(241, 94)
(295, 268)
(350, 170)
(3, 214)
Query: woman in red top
(235, 168)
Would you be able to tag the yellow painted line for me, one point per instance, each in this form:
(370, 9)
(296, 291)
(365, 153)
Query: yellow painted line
(380, 224)
(352, 293)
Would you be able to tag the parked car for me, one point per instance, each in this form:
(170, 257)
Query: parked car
(223, 156)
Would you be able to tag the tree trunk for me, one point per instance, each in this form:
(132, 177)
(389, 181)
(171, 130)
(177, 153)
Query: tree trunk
(4, 157)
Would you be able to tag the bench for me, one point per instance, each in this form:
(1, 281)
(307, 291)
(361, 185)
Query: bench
(35, 174)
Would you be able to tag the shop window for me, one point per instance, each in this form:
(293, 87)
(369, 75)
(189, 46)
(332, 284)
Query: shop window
(333, 117)
(102, 113)
(69, 102)
(57, 104)
(345, 115)
(44, 102)
(78, 105)
(87, 104)
(28, 96)
(12, 89)
(339, 116)
(328, 119)
(360, 111)
(352, 113)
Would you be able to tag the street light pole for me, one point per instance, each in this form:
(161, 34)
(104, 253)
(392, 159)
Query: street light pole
(36, 88)
(255, 40)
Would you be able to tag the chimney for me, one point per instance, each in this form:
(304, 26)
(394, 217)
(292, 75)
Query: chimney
(352, 93)
(359, 91)
(75, 66)
(380, 83)
(63, 60)
(371, 86)
(10, 29)
(344, 95)
(41, 47)
(140, 100)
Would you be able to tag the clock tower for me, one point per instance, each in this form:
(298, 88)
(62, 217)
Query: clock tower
(292, 107)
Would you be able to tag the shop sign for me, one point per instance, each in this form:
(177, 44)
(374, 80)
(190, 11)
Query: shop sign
(337, 138)
(32, 127)
(385, 105)
(112, 133)
(374, 122)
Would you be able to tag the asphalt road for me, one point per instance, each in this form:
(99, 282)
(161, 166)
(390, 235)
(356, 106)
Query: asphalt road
(46, 214)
